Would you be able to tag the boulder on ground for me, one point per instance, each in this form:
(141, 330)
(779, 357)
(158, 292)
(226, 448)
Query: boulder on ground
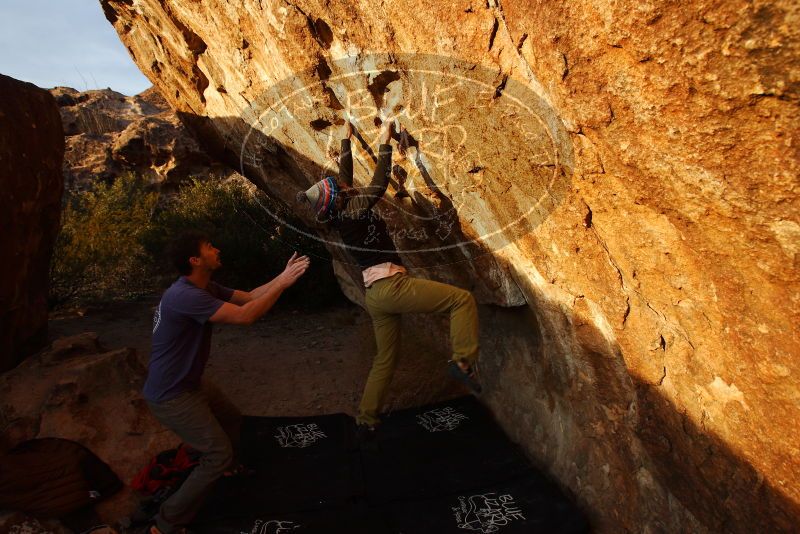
(78, 389)
(31, 153)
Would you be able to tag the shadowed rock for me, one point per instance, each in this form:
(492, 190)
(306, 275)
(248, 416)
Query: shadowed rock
(31, 152)
(78, 389)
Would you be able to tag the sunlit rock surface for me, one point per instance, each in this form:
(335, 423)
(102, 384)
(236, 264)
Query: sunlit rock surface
(31, 152)
(109, 134)
(625, 180)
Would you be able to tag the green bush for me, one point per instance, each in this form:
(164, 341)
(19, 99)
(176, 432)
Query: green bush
(131, 228)
(98, 253)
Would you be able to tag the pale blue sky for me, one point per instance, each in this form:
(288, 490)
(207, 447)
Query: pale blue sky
(65, 42)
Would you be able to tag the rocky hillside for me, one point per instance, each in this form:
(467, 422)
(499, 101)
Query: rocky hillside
(618, 180)
(108, 134)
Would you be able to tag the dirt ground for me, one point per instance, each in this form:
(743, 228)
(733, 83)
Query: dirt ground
(290, 363)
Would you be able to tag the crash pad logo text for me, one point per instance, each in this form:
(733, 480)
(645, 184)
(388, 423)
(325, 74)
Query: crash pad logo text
(486, 513)
(299, 436)
(272, 527)
(441, 419)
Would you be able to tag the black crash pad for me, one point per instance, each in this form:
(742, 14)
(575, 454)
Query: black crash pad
(299, 464)
(440, 468)
(266, 440)
(437, 450)
(527, 504)
(355, 518)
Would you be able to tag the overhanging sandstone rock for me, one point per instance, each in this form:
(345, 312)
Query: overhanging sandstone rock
(654, 367)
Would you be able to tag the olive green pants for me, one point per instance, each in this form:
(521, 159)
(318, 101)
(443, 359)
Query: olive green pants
(386, 300)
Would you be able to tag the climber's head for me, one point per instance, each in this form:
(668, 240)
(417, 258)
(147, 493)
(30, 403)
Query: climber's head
(322, 196)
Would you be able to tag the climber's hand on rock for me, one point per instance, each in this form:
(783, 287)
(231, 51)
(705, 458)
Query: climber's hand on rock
(386, 132)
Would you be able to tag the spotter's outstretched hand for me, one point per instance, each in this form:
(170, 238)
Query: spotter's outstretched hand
(295, 268)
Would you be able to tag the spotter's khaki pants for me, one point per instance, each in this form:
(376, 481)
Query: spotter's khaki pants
(206, 421)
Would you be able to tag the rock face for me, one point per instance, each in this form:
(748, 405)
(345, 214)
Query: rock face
(617, 181)
(109, 134)
(31, 152)
(79, 390)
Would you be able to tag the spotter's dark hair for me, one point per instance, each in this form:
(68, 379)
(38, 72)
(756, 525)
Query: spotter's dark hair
(185, 246)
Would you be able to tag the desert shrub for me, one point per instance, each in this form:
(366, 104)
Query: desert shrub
(241, 221)
(98, 253)
(113, 241)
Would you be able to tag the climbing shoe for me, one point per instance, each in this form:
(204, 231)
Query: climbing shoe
(465, 376)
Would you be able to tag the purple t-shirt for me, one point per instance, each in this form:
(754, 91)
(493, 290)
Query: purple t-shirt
(181, 338)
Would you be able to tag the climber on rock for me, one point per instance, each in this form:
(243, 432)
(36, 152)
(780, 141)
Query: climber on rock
(390, 292)
(182, 328)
